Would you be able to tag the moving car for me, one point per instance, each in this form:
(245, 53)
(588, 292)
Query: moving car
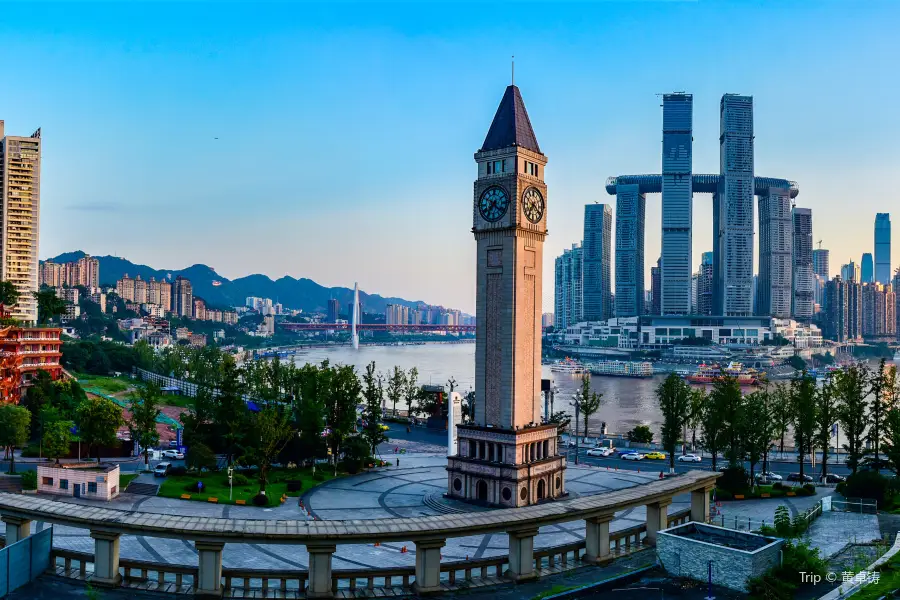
(690, 458)
(633, 456)
(162, 469)
(832, 478)
(177, 455)
(655, 455)
(796, 477)
(601, 451)
(769, 475)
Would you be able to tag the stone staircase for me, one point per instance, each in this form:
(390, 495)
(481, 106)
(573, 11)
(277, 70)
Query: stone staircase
(438, 503)
(142, 489)
(11, 484)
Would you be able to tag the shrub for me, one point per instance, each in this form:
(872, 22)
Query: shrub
(808, 489)
(783, 525)
(31, 451)
(260, 500)
(641, 434)
(239, 479)
(356, 454)
(200, 457)
(735, 480)
(29, 480)
(723, 494)
(177, 470)
(778, 486)
(294, 485)
(319, 476)
(867, 484)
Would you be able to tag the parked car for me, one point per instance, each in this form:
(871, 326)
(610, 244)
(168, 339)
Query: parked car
(633, 456)
(176, 454)
(173, 443)
(796, 477)
(872, 464)
(690, 458)
(161, 469)
(598, 451)
(768, 475)
(655, 455)
(832, 478)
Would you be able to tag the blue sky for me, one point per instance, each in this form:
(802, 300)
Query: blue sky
(346, 131)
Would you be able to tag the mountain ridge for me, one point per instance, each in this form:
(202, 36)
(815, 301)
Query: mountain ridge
(303, 293)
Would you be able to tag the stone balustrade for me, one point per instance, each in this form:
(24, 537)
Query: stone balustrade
(321, 538)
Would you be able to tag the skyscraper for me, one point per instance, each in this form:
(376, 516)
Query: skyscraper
(656, 288)
(705, 285)
(883, 248)
(867, 268)
(677, 203)
(20, 202)
(334, 310)
(850, 272)
(596, 255)
(733, 209)
(630, 207)
(183, 297)
(804, 279)
(878, 317)
(568, 291)
(836, 315)
(775, 254)
(820, 263)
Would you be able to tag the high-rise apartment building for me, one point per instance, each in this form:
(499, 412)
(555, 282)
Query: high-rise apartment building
(656, 288)
(396, 314)
(140, 291)
(820, 263)
(568, 292)
(705, 285)
(733, 209)
(596, 249)
(843, 315)
(159, 293)
(883, 248)
(20, 200)
(867, 268)
(630, 208)
(334, 310)
(677, 203)
(804, 278)
(182, 297)
(775, 255)
(878, 312)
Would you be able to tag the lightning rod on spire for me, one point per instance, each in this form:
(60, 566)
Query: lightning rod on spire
(513, 69)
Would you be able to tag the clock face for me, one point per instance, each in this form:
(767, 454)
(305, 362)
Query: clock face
(533, 204)
(493, 203)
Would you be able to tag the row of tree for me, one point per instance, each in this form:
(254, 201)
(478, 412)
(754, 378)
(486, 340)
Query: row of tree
(862, 404)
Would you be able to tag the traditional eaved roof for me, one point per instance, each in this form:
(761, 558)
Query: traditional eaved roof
(511, 126)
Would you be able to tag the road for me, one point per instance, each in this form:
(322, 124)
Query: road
(781, 467)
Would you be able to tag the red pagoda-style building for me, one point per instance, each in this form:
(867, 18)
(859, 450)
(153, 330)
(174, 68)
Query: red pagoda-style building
(23, 352)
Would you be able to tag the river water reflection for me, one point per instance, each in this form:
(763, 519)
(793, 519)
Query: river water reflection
(626, 402)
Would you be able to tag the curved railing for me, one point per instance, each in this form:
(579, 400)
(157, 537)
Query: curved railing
(321, 538)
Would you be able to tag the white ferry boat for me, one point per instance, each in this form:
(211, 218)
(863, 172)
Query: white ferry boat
(568, 366)
(619, 368)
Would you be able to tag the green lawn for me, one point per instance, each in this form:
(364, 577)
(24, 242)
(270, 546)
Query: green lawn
(124, 480)
(888, 581)
(108, 385)
(215, 485)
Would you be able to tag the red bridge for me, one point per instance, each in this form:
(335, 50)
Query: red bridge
(377, 327)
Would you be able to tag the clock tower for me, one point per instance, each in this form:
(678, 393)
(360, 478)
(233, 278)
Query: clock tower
(508, 457)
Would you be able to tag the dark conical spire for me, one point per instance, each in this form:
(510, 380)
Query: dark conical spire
(511, 126)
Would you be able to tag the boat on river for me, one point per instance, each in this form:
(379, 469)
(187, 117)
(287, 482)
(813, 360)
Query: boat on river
(568, 366)
(622, 368)
(708, 374)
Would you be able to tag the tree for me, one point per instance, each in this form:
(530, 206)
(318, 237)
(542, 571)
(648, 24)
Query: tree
(850, 390)
(144, 408)
(641, 434)
(98, 420)
(343, 397)
(270, 431)
(695, 414)
(726, 400)
(15, 425)
(781, 413)
(877, 407)
(49, 305)
(57, 439)
(712, 423)
(826, 417)
(371, 416)
(674, 397)
(411, 390)
(588, 402)
(395, 387)
(757, 428)
(229, 410)
(803, 408)
(9, 293)
(199, 457)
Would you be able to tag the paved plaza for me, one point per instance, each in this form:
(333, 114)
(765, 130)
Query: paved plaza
(412, 489)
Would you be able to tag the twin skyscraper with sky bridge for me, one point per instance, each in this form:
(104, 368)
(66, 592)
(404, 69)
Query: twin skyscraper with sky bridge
(781, 287)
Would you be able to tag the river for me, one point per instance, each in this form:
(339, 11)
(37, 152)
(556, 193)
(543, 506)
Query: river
(626, 402)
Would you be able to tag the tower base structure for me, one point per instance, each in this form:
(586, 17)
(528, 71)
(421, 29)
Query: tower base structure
(506, 467)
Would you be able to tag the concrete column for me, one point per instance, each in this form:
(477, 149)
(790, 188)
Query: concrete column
(209, 573)
(596, 538)
(428, 566)
(106, 559)
(657, 518)
(320, 570)
(700, 505)
(16, 529)
(521, 554)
